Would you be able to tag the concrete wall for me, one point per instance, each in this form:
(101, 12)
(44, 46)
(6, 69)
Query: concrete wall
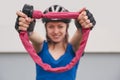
(100, 66)
(104, 37)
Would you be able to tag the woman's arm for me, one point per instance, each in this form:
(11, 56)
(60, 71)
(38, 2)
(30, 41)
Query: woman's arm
(36, 40)
(24, 24)
(85, 20)
(76, 39)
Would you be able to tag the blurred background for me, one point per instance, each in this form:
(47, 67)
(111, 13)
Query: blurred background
(102, 53)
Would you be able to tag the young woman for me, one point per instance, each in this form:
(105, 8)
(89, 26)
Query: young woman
(56, 50)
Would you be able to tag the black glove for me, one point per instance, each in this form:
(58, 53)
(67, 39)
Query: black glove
(27, 9)
(90, 17)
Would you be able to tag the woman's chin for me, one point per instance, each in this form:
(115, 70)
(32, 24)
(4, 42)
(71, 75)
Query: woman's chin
(56, 41)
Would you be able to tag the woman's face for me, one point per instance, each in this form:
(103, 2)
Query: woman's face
(56, 31)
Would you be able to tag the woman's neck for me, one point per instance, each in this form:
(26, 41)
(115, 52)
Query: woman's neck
(59, 45)
(57, 49)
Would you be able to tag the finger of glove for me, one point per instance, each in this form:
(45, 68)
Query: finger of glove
(81, 15)
(31, 26)
(21, 14)
(87, 25)
(90, 17)
(84, 19)
(22, 28)
(23, 20)
(92, 20)
(89, 14)
(23, 24)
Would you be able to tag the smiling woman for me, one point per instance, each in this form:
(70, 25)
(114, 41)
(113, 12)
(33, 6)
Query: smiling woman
(57, 32)
(55, 56)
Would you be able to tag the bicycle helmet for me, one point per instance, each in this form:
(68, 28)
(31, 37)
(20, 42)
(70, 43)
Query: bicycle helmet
(55, 8)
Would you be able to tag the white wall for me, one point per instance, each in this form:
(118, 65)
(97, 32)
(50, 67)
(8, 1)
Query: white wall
(103, 38)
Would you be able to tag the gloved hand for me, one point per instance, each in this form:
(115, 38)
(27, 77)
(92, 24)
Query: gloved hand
(24, 21)
(85, 20)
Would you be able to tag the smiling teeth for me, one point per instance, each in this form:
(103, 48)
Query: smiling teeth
(56, 36)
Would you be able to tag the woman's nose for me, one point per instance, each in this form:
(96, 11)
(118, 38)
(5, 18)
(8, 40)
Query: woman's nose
(56, 30)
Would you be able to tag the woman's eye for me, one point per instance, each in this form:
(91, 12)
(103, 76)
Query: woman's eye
(50, 26)
(60, 26)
